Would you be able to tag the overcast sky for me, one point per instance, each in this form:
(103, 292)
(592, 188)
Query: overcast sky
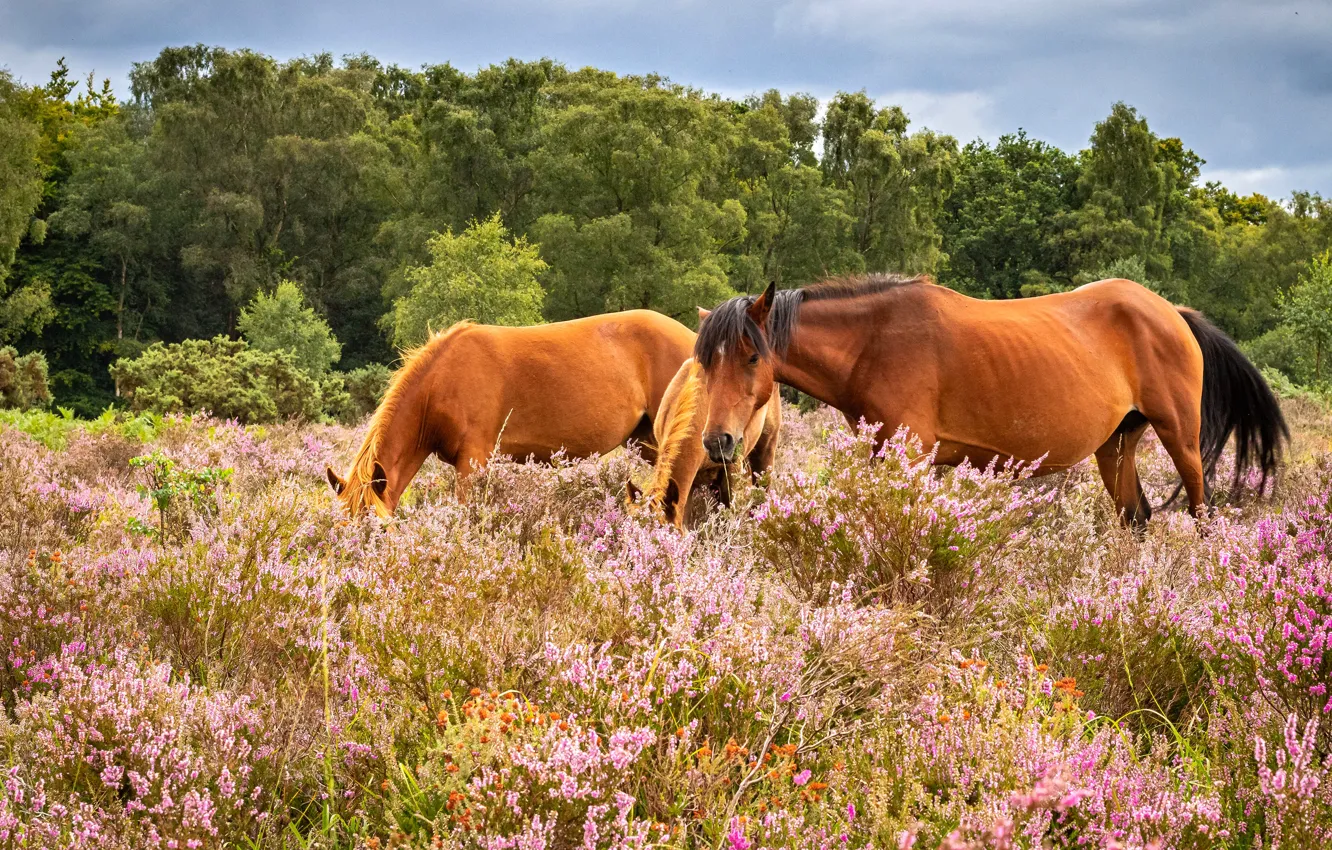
(1246, 83)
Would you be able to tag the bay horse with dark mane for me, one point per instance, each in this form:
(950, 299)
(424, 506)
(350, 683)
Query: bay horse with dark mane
(582, 387)
(1057, 378)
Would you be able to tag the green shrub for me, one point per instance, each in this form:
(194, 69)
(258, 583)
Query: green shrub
(223, 376)
(365, 389)
(878, 522)
(282, 322)
(53, 429)
(1284, 350)
(23, 383)
(177, 493)
(483, 274)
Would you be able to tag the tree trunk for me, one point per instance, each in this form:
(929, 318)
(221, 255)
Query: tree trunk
(120, 308)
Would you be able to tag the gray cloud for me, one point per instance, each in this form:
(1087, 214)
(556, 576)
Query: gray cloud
(1248, 85)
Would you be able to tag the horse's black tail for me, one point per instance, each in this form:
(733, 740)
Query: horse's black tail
(1235, 400)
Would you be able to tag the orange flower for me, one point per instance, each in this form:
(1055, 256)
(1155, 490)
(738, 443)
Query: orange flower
(448, 694)
(56, 556)
(564, 727)
(476, 692)
(384, 786)
(817, 786)
(453, 768)
(554, 715)
(944, 718)
(1041, 668)
(442, 719)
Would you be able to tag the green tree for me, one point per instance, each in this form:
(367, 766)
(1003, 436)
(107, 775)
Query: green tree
(21, 175)
(1308, 308)
(897, 181)
(23, 379)
(797, 227)
(632, 180)
(1130, 180)
(101, 200)
(481, 274)
(264, 171)
(999, 224)
(280, 321)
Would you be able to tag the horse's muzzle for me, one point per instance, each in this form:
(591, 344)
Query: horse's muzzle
(720, 447)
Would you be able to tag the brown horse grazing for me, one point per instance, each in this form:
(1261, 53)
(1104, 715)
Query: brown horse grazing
(1058, 377)
(582, 387)
(683, 464)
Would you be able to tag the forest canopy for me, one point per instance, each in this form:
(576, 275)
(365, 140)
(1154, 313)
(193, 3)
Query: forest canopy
(228, 177)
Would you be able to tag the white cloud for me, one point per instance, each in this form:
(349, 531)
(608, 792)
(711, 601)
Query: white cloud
(964, 114)
(1274, 181)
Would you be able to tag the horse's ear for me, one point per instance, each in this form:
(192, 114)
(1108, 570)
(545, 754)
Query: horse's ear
(335, 481)
(762, 306)
(379, 483)
(703, 314)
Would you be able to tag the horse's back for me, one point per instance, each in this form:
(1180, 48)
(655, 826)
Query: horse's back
(1088, 356)
(583, 385)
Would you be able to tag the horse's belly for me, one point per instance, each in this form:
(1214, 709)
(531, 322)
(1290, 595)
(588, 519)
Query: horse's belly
(1057, 438)
(575, 430)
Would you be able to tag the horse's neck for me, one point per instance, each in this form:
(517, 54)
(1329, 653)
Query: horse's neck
(404, 443)
(826, 343)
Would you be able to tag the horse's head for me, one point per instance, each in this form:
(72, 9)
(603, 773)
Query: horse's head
(362, 490)
(737, 361)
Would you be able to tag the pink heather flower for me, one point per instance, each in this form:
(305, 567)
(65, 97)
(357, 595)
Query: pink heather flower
(736, 837)
(802, 777)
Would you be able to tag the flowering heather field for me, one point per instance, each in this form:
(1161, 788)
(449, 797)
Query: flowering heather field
(865, 654)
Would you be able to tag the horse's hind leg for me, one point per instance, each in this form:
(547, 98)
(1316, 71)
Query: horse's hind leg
(1119, 470)
(1179, 433)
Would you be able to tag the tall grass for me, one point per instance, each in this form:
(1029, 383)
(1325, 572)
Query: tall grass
(868, 652)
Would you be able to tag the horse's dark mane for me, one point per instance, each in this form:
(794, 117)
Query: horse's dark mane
(730, 321)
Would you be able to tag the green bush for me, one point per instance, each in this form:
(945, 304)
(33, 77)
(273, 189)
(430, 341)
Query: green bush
(223, 376)
(53, 429)
(281, 322)
(1282, 349)
(482, 274)
(365, 389)
(23, 383)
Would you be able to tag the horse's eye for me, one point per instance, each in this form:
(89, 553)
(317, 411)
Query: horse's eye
(753, 359)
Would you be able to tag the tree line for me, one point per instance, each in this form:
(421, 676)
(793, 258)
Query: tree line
(373, 203)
